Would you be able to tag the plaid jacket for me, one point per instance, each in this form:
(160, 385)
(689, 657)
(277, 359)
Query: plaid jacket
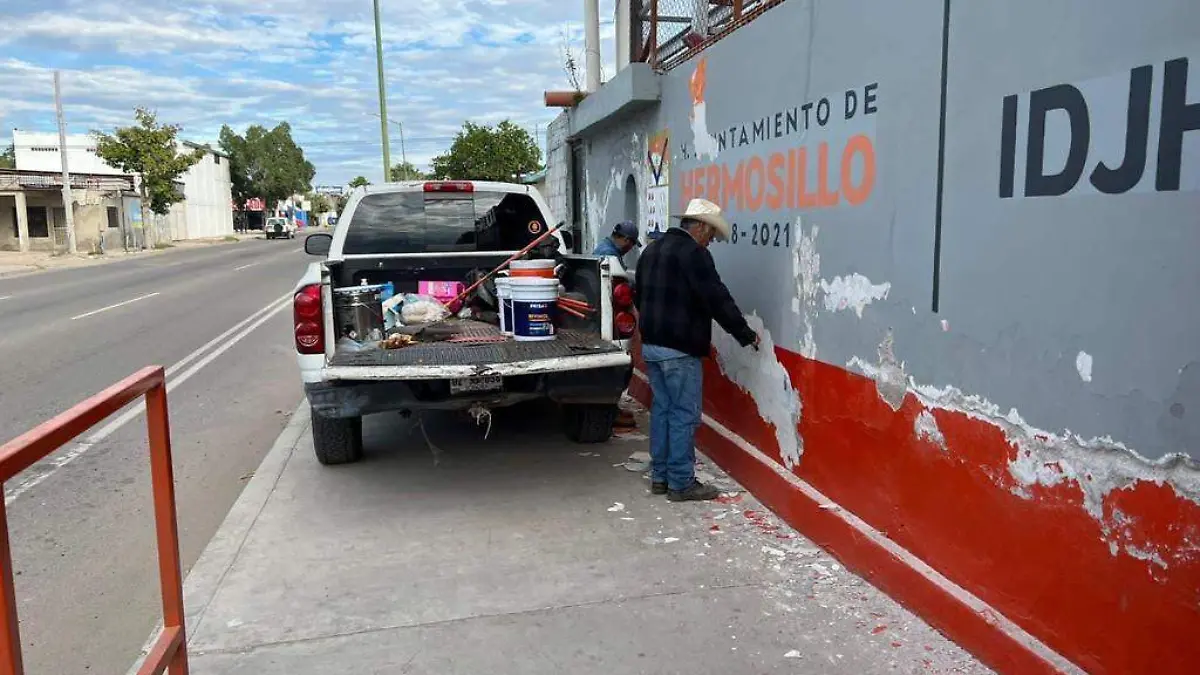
(679, 294)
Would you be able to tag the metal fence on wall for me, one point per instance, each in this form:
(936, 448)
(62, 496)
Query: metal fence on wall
(666, 32)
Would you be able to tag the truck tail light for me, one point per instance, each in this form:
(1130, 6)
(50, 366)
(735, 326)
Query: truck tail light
(450, 186)
(626, 324)
(306, 315)
(623, 320)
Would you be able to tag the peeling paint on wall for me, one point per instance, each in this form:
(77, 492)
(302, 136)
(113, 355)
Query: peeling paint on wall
(926, 429)
(759, 373)
(1083, 364)
(890, 380)
(853, 291)
(704, 143)
(806, 270)
(1097, 467)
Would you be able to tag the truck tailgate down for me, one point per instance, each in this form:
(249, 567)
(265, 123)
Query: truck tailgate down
(572, 350)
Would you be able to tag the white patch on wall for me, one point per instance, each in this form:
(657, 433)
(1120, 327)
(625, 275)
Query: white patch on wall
(705, 143)
(1083, 364)
(630, 161)
(760, 374)
(853, 291)
(890, 380)
(926, 429)
(806, 270)
(1096, 467)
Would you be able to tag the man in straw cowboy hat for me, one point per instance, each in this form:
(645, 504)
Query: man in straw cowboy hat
(678, 296)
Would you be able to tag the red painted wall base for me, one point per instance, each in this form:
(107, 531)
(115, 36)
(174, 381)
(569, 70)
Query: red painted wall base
(917, 512)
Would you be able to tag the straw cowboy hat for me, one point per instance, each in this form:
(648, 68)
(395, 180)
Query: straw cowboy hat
(708, 213)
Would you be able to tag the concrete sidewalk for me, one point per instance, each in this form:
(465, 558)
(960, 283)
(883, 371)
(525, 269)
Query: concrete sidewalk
(523, 554)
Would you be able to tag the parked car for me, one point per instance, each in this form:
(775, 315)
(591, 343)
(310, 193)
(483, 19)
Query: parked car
(280, 228)
(405, 233)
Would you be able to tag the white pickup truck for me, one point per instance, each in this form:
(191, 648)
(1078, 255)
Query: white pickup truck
(405, 233)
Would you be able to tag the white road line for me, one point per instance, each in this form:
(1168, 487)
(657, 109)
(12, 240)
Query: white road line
(239, 269)
(226, 341)
(119, 304)
(5, 297)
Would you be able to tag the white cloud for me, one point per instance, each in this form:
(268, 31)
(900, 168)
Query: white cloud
(310, 62)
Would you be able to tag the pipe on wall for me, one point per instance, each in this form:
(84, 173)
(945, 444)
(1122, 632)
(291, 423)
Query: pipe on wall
(591, 21)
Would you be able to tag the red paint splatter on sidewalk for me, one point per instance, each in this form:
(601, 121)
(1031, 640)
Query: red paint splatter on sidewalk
(879, 629)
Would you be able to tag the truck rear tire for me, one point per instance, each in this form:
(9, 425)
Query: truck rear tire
(337, 440)
(589, 423)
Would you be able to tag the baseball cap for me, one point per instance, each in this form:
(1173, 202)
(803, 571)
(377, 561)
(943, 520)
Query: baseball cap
(627, 229)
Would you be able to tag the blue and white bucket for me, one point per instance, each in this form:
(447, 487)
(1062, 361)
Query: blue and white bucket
(534, 304)
(504, 297)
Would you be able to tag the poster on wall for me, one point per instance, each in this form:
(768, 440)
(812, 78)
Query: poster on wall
(658, 197)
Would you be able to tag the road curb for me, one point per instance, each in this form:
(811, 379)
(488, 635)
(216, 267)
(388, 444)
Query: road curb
(204, 579)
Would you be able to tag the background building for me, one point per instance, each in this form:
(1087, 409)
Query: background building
(966, 232)
(204, 212)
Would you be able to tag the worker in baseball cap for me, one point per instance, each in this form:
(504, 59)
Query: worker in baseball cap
(624, 238)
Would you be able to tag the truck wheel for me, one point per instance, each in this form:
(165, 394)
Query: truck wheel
(337, 440)
(589, 423)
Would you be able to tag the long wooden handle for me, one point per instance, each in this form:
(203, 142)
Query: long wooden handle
(545, 235)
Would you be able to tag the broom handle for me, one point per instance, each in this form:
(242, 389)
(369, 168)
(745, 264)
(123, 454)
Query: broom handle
(545, 235)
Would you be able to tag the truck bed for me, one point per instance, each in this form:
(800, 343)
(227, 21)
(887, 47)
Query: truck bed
(569, 343)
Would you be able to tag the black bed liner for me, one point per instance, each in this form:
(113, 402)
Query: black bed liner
(568, 343)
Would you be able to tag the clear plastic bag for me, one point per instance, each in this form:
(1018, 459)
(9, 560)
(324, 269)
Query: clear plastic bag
(421, 309)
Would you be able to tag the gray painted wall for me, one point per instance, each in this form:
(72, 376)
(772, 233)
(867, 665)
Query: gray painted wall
(1027, 283)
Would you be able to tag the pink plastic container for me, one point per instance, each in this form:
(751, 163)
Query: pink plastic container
(444, 291)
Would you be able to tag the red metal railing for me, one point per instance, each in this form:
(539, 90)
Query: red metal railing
(170, 648)
(662, 34)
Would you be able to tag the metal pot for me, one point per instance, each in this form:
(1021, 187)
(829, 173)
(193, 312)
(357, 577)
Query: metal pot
(358, 312)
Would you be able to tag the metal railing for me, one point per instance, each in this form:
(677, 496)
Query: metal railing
(665, 33)
(170, 648)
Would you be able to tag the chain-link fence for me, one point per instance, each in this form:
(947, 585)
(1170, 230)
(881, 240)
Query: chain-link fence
(665, 31)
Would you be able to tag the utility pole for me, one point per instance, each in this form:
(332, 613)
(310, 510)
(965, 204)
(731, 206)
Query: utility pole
(68, 201)
(403, 152)
(383, 118)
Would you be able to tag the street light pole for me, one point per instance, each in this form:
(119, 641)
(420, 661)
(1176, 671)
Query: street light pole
(383, 118)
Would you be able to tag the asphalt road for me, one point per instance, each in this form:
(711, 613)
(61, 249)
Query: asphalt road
(81, 521)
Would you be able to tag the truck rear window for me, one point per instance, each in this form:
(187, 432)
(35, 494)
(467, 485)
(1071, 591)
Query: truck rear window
(432, 222)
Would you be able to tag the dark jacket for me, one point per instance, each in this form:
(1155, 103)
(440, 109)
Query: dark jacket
(679, 294)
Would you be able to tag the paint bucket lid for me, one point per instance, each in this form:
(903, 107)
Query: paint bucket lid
(533, 264)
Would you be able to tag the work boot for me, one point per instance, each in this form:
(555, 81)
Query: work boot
(657, 488)
(697, 492)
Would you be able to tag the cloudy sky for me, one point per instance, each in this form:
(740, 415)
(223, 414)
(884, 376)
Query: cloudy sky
(206, 63)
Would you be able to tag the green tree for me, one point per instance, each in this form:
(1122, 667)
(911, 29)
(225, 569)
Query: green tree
(8, 158)
(148, 150)
(320, 203)
(406, 171)
(359, 181)
(266, 163)
(480, 152)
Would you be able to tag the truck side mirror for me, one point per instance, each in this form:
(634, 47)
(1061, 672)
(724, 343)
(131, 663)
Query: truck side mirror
(318, 243)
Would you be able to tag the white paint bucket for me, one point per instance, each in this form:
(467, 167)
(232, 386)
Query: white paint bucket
(534, 306)
(504, 298)
(543, 269)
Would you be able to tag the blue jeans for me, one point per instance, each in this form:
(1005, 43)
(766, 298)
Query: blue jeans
(674, 416)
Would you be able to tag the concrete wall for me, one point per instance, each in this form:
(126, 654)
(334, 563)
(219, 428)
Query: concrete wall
(91, 220)
(1000, 369)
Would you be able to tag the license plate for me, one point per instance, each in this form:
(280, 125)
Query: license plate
(470, 384)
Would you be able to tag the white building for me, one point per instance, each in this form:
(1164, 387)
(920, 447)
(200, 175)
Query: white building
(38, 151)
(208, 195)
(206, 209)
